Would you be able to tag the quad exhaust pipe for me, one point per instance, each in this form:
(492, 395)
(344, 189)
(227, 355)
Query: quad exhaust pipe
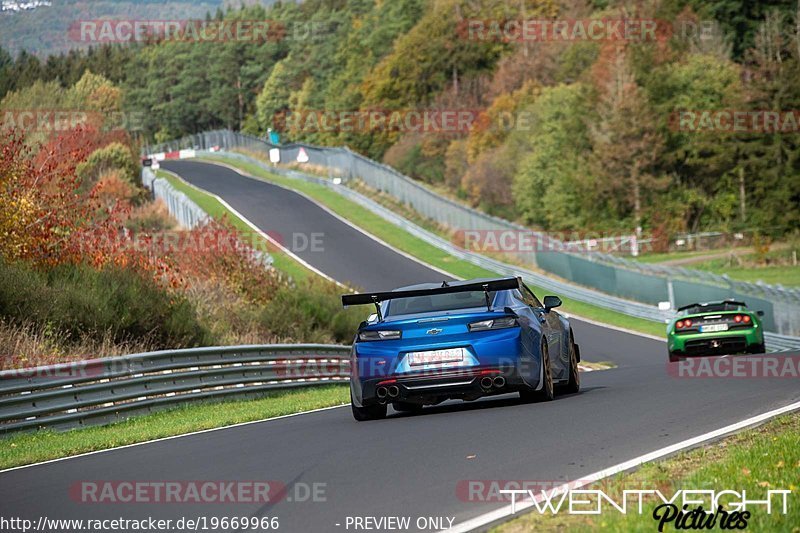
(391, 392)
(488, 382)
(387, 393)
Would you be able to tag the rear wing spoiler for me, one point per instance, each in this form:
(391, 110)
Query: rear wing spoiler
(706, 304)
(378, 297)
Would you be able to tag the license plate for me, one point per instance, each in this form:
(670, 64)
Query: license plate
(432, 357)
(713, 327)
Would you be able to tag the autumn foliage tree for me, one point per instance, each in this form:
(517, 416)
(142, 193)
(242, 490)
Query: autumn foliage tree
(625, 140)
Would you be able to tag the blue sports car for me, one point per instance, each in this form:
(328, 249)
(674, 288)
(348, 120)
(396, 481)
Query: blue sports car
(461, 339)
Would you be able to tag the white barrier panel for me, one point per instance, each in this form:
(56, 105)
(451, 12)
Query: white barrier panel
(186, 154)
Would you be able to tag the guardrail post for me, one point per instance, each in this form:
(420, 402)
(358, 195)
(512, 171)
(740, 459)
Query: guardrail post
(671, 294)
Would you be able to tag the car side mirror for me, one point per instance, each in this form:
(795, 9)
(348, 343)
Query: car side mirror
(760, 313)
(551, 302)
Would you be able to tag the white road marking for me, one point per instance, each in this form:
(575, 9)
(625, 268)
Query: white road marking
(258, 230)
(504, 513)
(335, 215)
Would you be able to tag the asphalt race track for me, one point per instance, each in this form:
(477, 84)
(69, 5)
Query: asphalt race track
(339, 250)
(406, 465)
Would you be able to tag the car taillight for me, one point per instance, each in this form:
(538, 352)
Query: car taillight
(683, 324)
(497, 323)
(737, 318)
(379, 335)
(746, 319)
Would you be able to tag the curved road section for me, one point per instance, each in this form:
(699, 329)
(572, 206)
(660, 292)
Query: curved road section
(323, 240)
(441, 467)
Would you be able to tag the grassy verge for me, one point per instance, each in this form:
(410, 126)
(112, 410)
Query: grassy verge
(786, 275)
(282, 261)
(775, 267)
(660, 257)
(27, 448)
(401, 240)
(757, 460)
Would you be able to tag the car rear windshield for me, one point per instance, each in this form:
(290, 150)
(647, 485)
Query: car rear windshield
(438, 302)
(714, 308)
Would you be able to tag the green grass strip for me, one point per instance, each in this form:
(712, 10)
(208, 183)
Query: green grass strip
(26, 448)
(786, 275)
(757, 460)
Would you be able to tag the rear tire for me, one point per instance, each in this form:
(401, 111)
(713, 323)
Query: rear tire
(372, 412)
(757, 348)
(545, 394)
(573, 386)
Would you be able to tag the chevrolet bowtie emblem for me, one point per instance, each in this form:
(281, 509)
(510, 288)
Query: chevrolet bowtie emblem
(434, 331)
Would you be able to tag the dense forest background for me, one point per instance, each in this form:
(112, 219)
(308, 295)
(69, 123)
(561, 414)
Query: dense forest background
(598, 151)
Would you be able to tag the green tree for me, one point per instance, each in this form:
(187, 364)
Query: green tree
(625, 141)
(697, 157)
(550, 183)
(741, 18)
(6, 65)
(768, 174)
(274, 97)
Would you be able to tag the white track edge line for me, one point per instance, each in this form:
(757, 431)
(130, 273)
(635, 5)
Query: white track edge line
(257, 229)
(338, 216)
(152, 441)
(615, 328)
(504, 513)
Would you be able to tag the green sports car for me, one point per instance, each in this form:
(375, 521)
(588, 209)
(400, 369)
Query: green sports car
(715, 328)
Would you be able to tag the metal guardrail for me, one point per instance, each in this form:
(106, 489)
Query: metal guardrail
(184, 210)
(101, 391)
(774, 342)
